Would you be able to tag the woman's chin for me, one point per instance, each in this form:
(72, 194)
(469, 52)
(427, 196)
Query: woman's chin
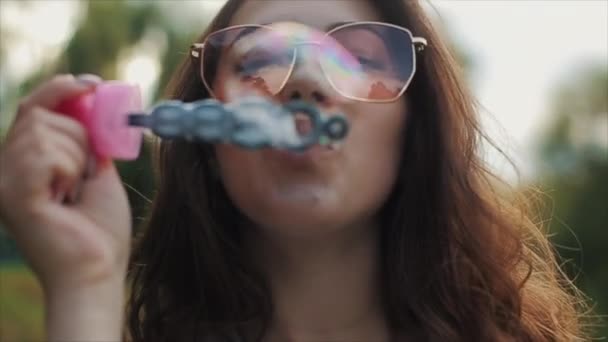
(304, 194)
(299, 209)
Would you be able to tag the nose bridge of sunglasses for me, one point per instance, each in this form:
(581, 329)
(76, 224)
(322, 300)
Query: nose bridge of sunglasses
(308, 52)
(308, 71)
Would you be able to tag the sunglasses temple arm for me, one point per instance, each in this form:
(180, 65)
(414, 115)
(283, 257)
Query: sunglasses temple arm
(419, 43)
(196, 49)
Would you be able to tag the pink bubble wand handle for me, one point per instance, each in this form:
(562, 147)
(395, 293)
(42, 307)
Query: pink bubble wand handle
(104, 113)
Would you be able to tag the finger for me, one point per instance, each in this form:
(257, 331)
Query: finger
(104, 183)
(50, 94)
(59, 123)
(70, 190)
(49, 175)
(100, 193)
(48, 162)
(42, 130)
(75, 150)
(65, 173)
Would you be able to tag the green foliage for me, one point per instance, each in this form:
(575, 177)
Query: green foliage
(109, 27)
(574, 173)
(21, 310)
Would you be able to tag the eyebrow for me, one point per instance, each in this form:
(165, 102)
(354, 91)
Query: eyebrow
(327, 28)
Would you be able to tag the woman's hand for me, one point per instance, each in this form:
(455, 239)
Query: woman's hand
(73, 230)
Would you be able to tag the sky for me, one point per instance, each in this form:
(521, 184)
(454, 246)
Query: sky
(520, 49)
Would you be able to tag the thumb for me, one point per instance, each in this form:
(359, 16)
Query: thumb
(102, 193)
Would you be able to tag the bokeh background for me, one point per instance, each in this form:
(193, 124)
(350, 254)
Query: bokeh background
(539, 70)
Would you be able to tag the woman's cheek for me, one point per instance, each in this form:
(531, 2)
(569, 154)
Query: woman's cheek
(239, 171)
(376, 137)
(373, 174)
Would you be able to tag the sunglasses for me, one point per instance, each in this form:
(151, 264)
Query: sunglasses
(363, 61)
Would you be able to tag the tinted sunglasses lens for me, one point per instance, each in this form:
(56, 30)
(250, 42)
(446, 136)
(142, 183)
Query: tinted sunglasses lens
(243, 60)
(383, 58)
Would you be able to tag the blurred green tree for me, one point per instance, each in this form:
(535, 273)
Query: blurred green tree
(573, 158)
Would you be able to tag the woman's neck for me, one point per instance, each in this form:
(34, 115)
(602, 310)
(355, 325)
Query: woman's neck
(324, 289)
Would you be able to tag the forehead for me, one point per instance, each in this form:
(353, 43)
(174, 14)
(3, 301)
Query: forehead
(319, 14)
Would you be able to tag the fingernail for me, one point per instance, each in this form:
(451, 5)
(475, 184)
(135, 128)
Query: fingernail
(89, 79)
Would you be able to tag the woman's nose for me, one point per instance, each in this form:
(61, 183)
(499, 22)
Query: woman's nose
(301, 93)
(308, 85)
(307, 81)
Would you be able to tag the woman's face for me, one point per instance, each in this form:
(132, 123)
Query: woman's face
(328, 189)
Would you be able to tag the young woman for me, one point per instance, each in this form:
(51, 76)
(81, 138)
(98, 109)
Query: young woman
(398, 235)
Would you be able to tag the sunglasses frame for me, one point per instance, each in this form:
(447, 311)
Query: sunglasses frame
(418, 45)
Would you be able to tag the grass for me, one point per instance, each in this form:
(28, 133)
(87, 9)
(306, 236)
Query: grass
(21, 305)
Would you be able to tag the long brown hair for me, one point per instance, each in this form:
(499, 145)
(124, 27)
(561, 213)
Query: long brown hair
(458, 261)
